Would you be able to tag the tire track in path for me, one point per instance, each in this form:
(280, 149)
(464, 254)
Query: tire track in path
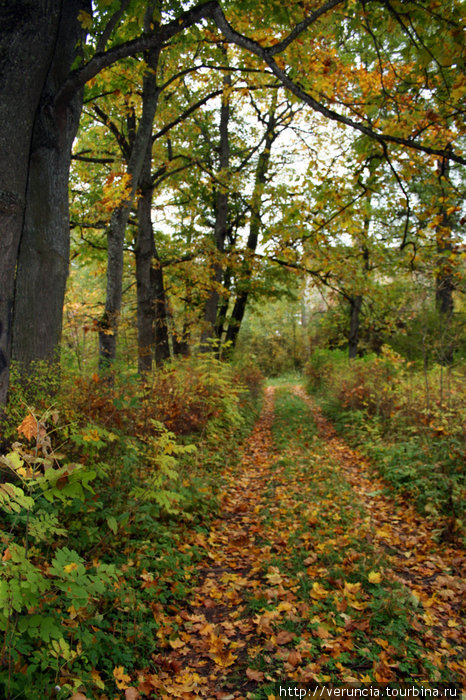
(215, 631)
(433, 572)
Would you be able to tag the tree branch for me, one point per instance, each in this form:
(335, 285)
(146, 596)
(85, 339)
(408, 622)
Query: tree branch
(264, 53)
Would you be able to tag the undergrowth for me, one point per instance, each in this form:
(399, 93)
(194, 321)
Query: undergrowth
(98, 495)
(408, 420)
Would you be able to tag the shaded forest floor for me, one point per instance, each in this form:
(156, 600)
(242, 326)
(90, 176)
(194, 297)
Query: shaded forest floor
(312, 573)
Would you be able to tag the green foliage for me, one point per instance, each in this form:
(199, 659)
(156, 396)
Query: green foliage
(90, 529)
(197, 394)
(408, 420)
(274, 335)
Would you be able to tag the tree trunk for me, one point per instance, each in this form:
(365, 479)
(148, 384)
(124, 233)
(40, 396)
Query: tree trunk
(162, 345)
(44, 250)
(222, 309)
(119, 219)
(239, 307)
(151, 310)
(28, 27)
(221, 218)
(144, 252)
(353, 338)
(444, 280)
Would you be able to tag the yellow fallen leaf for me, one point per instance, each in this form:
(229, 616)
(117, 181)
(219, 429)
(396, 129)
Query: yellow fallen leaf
(351, 588)
(318, 592)
(274, 578)
(97, 680)
(375, 577)
(428, 619)
(176, 643)
(381, 642)
(121, 678)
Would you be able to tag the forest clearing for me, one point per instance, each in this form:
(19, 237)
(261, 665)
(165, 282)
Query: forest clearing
(232, 349)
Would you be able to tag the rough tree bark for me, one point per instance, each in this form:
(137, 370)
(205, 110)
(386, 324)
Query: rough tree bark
(28, 28)
(37, 39)
(151, 303)
(44, 250)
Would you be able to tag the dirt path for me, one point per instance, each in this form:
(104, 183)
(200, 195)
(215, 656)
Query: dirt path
(433, 573)
(214, 633)
(255, 616)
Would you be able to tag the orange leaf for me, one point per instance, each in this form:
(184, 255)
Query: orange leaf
(254, 675)
(294, 658)
(28, 427)
(284, 636)
(131, 693)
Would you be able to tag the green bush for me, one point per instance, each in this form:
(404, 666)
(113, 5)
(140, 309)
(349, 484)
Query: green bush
(408, 420)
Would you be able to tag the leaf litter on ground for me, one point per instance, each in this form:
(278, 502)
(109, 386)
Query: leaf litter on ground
(311, 574)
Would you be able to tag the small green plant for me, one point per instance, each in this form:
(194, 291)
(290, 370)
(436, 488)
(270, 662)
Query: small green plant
(40, 576)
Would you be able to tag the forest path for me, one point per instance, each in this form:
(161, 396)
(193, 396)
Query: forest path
(311, 575)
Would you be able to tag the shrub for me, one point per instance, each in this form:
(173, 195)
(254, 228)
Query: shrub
(410, 420)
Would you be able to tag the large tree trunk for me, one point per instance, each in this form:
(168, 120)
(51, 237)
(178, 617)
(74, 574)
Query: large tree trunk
(28, 27)
(44, 251)
(151, 309)
(444, 279)
(116, 232)
(144, 252)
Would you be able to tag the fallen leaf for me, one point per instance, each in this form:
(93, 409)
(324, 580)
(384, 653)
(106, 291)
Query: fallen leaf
(375, 577)
(121, 678)
(284, 636)
(176, 643)
(254, 675)
(131, 693)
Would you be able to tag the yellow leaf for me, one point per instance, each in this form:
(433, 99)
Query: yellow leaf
(85, 19)
(224, 659)
(318, 592)
(428, 619)
(273, 576)
(68, 568)
(375, 576)
(352, 588)
(382, 642)
(122, 679)
(97, 679)
(176, 643)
